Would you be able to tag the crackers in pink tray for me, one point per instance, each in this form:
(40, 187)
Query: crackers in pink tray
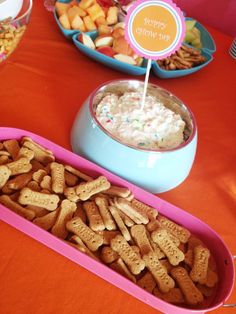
(107, 223)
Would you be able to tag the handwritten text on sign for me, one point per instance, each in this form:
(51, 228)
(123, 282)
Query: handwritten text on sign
(154, 28)
(159, 25)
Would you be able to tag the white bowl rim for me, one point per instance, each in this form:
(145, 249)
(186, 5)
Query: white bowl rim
(24, 13)
(165, 150)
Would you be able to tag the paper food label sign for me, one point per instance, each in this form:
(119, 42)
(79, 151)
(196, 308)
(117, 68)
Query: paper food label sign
(155, 29)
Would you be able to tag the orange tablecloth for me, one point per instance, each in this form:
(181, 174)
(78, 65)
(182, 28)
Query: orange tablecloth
(42, 87)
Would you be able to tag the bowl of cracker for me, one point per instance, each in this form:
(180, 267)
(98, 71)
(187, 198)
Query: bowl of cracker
(153, 147)
(149, 248)
(12, 28)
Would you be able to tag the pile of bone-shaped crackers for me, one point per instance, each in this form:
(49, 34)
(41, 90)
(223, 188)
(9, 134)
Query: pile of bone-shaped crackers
(107, 223)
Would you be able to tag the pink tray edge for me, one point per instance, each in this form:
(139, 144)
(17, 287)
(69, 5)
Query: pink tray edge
(97, 268)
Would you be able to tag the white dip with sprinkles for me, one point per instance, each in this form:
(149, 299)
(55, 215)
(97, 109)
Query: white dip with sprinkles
(154, 127)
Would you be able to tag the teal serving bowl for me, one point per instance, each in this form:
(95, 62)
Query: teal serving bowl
(109, 61)
(162, 73)
(208, 43)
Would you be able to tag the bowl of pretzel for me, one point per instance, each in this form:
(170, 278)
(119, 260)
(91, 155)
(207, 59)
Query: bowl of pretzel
(186, 60)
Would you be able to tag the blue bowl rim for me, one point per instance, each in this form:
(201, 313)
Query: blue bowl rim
(128, 66)
(207, 32)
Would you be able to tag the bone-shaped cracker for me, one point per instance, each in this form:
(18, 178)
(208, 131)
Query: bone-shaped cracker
(159, 272)
(33, 185)
(78, 173)
(12, 146)
(173, 253)
(19, 181)
(19, 166)
(192, 295)
(41, 154)
(118, 191)
(46, 183)
(47, 201)
(148, 211)
(107, 235)
(200, 264)
(103, 206)
(131, 211)
(178, 231)
(120, 223)
(129, 256)
(70, 194)
(86, 190)
(67, 209)
(18, 209)
(87, 235)
(39, 175)
(5, 173)
(139, 235)
(47, 221)
(94, 217)
(80, 212)
(25, 152)
(58, 177)
(153, 225)
(127, 221)
(70, 179)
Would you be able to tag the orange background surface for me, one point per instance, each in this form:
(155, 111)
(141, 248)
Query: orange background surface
(42, 86)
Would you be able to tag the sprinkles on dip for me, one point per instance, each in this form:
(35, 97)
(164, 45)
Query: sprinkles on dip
(156, 127)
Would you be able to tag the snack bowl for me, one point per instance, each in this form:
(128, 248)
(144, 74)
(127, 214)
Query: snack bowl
(162, 73)
(155, 170)
(10, 8)
(109, 61)
(12, 30)
(208, 43)
(216, 245)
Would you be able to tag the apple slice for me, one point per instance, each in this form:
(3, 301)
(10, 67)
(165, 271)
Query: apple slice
(125, 58)
(119, 25)
(121, 45)
(87, 41)
(103, 40)
(106, 50)
(118, 32)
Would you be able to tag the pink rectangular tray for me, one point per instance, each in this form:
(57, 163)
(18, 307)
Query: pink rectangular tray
(217, 246)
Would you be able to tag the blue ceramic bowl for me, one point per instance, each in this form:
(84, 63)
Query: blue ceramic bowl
(162, 73)
(68, 33)
(109, 61)
(208, 43)
(154, 170)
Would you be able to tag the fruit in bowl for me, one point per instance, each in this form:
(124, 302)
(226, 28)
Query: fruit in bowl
(193, 34)
(85, 16)
(112, 43)
(12, 30)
